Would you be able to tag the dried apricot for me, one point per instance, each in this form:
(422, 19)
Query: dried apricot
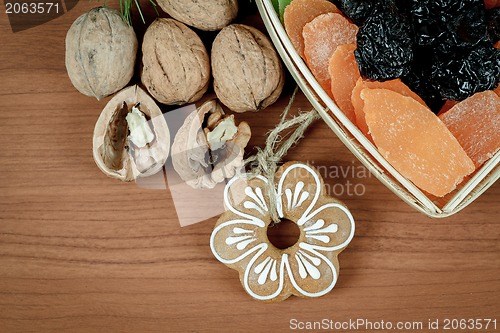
(447, 105)
(358, 104)
(475, 122)
(344, 73)
(321, 37)
(299, 13)
(415, 141)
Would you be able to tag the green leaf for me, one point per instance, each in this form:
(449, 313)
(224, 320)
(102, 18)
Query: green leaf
(276, 5)
(282, 5)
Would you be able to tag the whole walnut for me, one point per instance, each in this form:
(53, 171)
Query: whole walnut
(176, 66)
(248, 75)
(100, 52)
(206, 15)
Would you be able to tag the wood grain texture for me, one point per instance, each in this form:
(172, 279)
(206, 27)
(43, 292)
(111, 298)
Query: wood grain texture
(80, 252)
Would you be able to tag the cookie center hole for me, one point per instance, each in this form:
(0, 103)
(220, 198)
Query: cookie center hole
(284, 234)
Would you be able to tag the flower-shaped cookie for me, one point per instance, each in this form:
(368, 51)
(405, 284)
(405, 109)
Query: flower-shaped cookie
(309, 268)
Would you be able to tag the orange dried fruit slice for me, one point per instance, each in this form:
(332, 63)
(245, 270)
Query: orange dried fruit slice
(475, 122)
(395, 85)
(344, 74)
(415, 141)
(299, 13)
(488, 4)
(321, 37)
(447, 105)
(497, 90)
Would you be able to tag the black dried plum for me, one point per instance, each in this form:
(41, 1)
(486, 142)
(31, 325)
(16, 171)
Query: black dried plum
(448, 24)
(460, 75)
(384, 49)
(356, 10)
(419, 80)
(493, 23)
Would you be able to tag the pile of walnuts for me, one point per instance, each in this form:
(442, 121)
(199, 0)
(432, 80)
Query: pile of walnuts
(176, 69)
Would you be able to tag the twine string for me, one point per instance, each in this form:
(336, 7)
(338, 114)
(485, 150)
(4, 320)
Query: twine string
(265, 161)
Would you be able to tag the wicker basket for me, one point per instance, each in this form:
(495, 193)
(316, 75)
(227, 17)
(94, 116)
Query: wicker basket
(470, 189)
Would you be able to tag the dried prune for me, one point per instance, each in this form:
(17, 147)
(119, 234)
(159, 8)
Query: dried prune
(493, 23)
(419, 79)
(356, 10)
(448, 24)
(384, 49)
(460, 75)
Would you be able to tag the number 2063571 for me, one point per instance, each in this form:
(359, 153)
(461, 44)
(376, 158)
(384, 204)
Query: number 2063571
(31, 7)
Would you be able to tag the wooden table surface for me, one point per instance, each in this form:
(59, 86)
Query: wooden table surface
(80, 252)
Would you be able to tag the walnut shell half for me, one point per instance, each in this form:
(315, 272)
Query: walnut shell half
(176, 64)
(116, 151)
(209, 146)
(248, 75)
(206, 15)
(100, 52)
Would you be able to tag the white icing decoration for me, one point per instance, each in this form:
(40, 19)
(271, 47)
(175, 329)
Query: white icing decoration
(313, 271)
(288, 194)
(236, 239)
(260, 267)
(332, 228)
(259, 199)
(258, 191)
(244, 244)
(298, 188)
(314, 260)
(263, 276)
(318, 224)
(237, 230)
(274, 274)
(251, 205)
(322, 238)
(307, 256)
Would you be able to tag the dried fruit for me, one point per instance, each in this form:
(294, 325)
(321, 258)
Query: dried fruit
(475, 122)
(356, 10)
(419, 79)
(321, 37)
(415, 141)
(448, 24)
(344, 73)
(207, 15)
(176, 64)
(248, 75)
(384, 44)
(461, 75)
(394, 85)
(131, 136)
(209, 146)
(299, 13)
(493, 24)
(100, 52)
(491, 4)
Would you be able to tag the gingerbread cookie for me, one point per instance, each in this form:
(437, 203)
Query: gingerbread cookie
(309, 268)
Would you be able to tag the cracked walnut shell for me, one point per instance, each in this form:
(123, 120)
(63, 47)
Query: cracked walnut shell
(209, 15)
(131, 136)
(176, 66)
(100, 52)
(248, 75)
(209, 146)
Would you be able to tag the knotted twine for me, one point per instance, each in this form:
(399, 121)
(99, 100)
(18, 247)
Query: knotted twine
(265, 161)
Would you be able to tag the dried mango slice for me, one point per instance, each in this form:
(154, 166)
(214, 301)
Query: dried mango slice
(491, 3)
(299, 13)
(447, 105)
(344, 74)
(321, 38)
(475, 122)
(358, 104)
(415, 141)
